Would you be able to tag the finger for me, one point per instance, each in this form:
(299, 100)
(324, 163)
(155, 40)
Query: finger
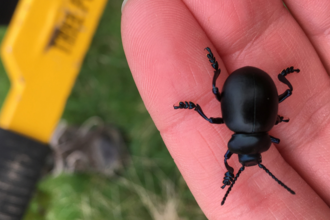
(162, 43)
(272, 41)
(313, 17)
(168, 51)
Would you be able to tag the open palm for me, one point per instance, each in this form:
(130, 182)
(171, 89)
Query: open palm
(164, 43)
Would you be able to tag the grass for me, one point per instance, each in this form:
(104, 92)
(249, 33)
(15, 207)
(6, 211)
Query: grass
(150, 186)
(4, 81)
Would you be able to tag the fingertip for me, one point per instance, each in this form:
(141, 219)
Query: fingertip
(123, 5)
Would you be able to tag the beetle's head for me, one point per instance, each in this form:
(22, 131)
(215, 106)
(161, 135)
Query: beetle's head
(249, 159)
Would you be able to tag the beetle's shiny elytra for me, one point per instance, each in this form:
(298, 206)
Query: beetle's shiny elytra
(249, 104)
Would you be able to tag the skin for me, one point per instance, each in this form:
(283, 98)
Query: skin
(164, 43)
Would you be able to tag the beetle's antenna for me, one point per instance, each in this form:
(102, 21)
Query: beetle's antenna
(277, 180)
(231, 186)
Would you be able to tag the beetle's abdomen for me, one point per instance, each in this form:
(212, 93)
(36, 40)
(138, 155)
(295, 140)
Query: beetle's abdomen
(249, 143)
(249, 101)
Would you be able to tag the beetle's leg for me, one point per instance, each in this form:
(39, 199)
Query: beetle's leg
(232, 184)
(197, 108)
(281, 119)
(274, 139)
(282, 78)
(229, 175)
(217, 71)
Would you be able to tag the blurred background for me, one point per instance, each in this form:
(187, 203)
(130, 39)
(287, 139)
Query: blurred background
(140, 179)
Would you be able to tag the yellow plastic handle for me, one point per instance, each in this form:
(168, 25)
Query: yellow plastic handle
(42, 52)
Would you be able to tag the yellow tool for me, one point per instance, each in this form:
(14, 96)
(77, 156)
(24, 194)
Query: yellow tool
(42, 52)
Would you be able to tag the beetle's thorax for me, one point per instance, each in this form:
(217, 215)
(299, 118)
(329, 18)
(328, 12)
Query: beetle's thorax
(253, 143)
(249, 147)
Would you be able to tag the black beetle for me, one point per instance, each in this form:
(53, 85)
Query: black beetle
(249, 105)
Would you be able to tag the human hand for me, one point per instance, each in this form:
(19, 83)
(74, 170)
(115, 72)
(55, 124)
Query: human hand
(164, 43)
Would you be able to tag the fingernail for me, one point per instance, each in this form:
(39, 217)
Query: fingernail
(123, 5)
